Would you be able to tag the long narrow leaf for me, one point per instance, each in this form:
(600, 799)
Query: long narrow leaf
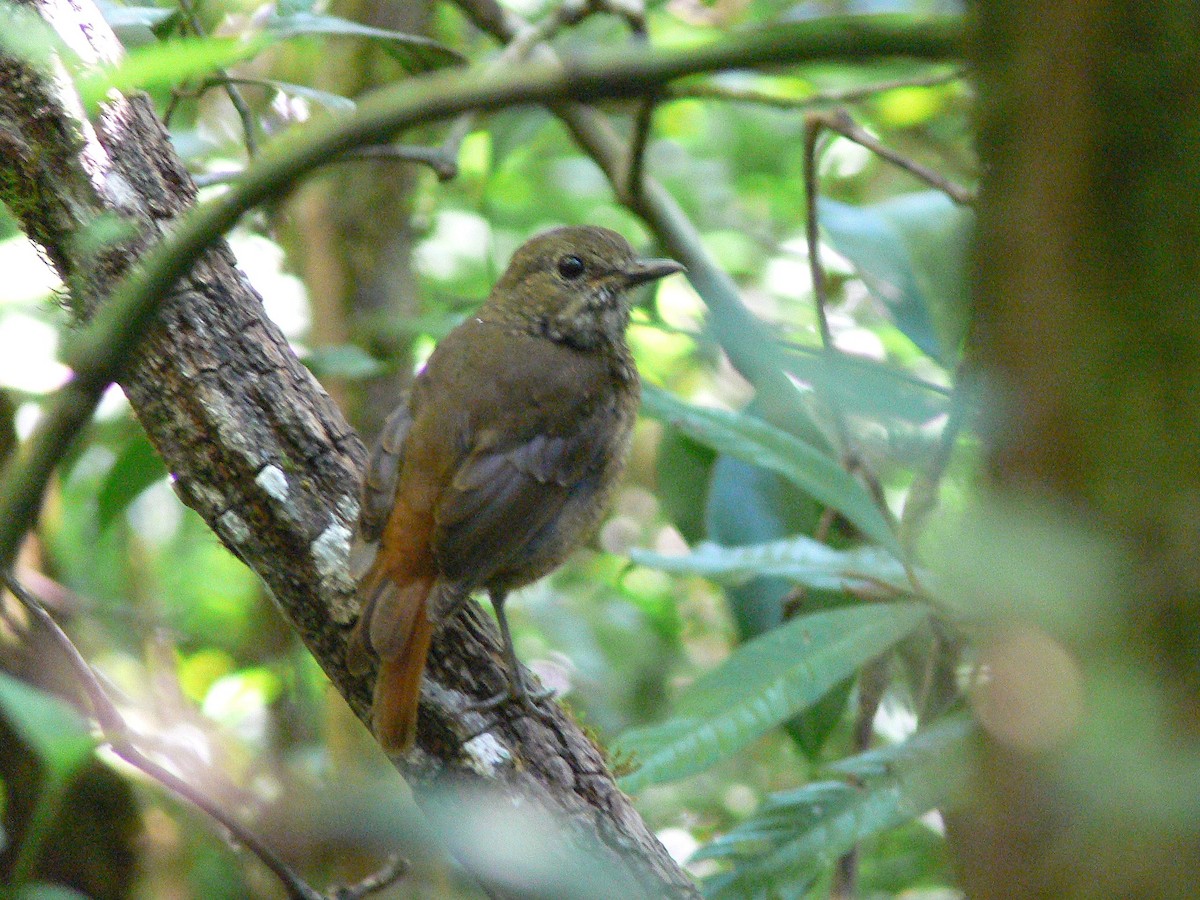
(61, 744)
(751, 439)
(332, 102)
(416, 52)
(800, 558)
(862, 386)
(765, 682)
(826, 819)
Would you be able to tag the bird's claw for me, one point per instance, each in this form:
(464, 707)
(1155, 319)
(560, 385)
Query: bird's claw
(519, 694)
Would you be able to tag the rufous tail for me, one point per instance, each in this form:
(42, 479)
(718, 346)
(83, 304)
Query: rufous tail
(398, 689)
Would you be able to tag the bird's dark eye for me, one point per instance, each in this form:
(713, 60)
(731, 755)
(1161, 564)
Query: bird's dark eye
(570, 267)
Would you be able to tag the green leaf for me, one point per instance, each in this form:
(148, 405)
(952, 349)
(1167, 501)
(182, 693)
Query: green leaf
(136, 468)
(762, 684)
(912, 253)
(751, 439)
(52, 729)
(136, 26)
(796, 834)
(866, 387)
(683, 470)
(59, 739)
(749, 505)
(415, 52)
(801, 559)
(348, 361)
(165, 64)
(331, 101)
(42, 891)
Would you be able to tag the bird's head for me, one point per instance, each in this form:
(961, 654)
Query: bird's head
(571, 285)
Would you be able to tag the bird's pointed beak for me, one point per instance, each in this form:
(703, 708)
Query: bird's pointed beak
(643, 271)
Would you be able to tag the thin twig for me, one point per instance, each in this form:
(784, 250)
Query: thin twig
(637, 149)
(872, 682)
(712, 90)
(635, 178)
(812, 134)
(240, 106)
(435, 157)
(388, 874)
(812, 238)
(117, 734)
(443, 166)
(840, 122)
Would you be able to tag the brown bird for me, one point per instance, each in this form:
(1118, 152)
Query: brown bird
(500, 462)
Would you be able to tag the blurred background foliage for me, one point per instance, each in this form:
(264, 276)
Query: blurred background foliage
(365, 267)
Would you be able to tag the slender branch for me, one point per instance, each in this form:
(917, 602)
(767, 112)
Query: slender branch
(387, 875)
(435, 158)
(635, 17)
(812, 134)
(633, 180)
(240, 106)
(712, 90)
(872, 682)
(812, 238)
(118, 736)
(103, 351)
(443, 166)
(840, 121)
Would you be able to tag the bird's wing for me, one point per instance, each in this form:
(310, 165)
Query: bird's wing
(379, 491)
(506, 495)
(386, 619)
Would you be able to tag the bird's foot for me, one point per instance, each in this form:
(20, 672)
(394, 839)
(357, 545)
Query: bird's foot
(518, 693)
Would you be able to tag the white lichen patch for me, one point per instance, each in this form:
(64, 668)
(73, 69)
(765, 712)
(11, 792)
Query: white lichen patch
(206, 499)
(233, 528)
(329, 553)
(221, 417)
(485, 754)
(331, 548)
(272, 480)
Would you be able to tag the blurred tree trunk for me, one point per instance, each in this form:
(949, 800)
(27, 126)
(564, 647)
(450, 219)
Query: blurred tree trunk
(1088, 293)
(356, 221)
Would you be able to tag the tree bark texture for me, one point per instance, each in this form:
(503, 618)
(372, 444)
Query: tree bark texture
(1088, 293)
(257, 448)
